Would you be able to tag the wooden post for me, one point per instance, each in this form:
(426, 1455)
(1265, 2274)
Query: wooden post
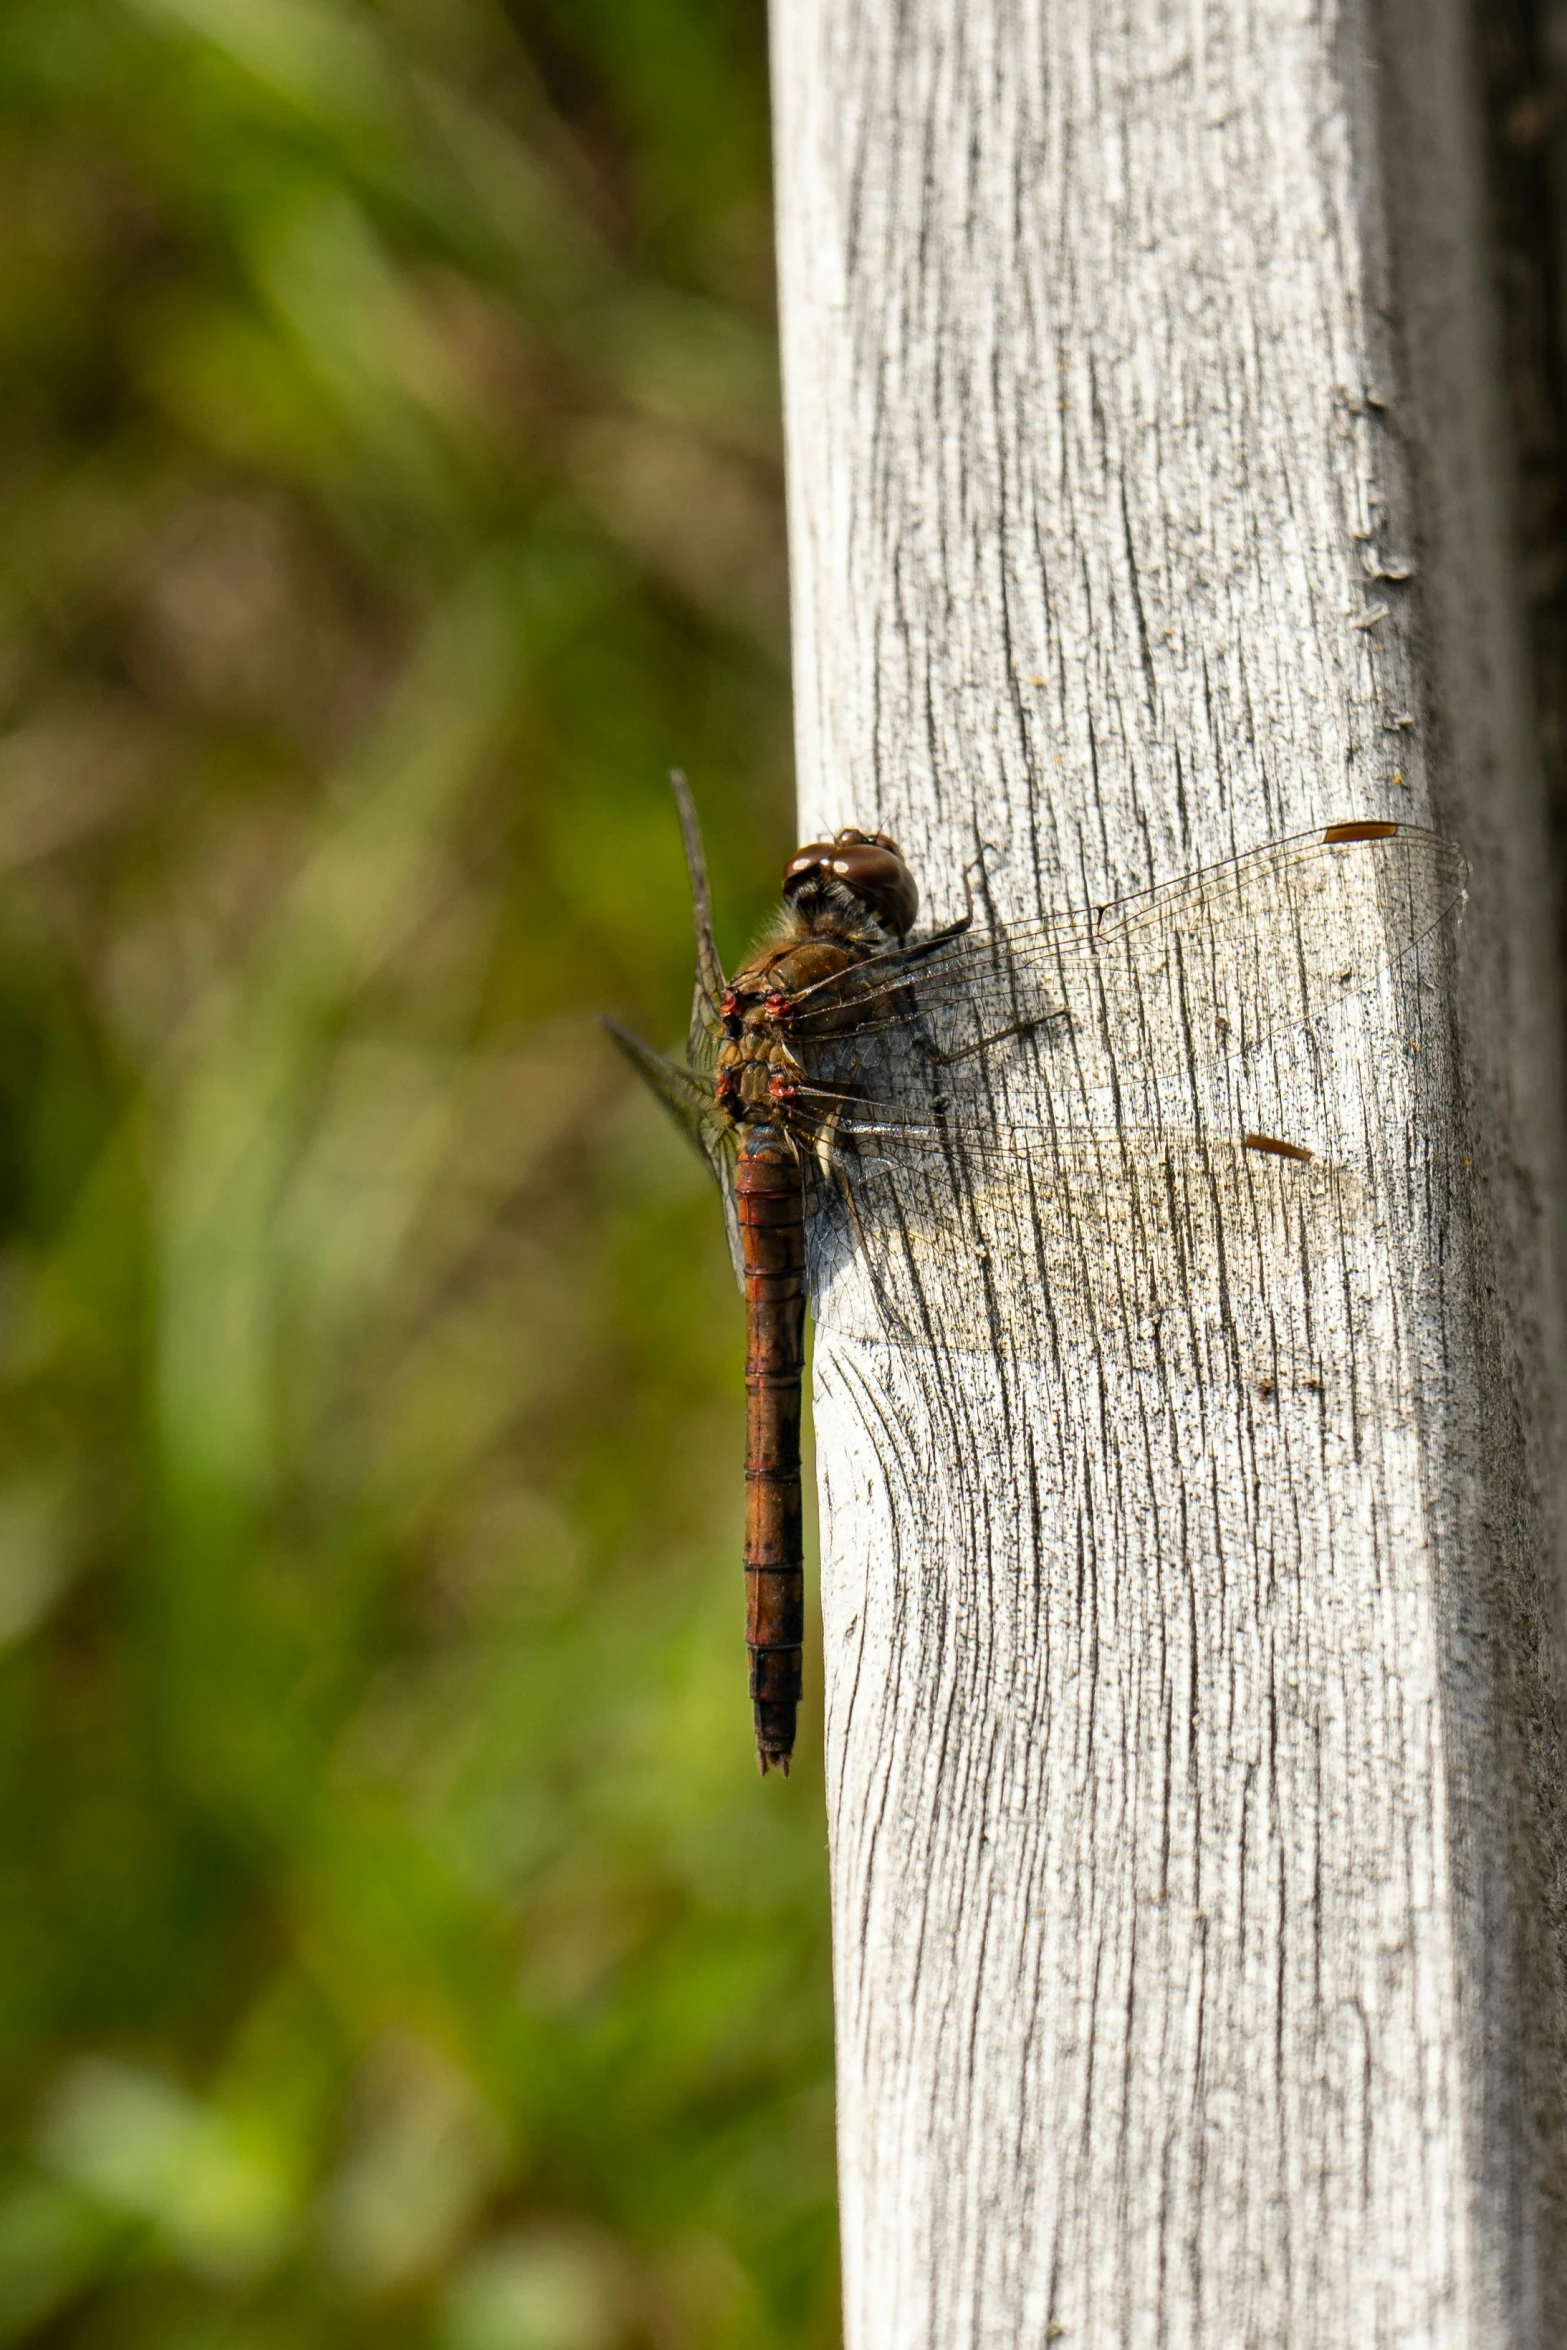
(1195, 1776)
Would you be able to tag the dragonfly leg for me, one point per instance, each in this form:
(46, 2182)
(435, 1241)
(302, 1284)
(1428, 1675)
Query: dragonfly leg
(938, 938)
(1000, 1036)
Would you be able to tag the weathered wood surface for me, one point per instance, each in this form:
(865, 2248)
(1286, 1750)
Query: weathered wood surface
(1194, 1785)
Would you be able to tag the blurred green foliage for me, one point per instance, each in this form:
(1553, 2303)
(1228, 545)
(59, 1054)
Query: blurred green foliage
(399, 1946)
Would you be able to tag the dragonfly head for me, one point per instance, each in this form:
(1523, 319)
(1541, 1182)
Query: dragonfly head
(855, 870)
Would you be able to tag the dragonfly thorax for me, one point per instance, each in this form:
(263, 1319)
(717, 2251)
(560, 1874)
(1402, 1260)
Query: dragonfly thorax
(755, 1060)
(805, 957)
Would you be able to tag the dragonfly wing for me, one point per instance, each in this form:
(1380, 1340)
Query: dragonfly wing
(1144, 1247)
(1237, 954)
(709, 970)
(718, 1148)
(959, 971)
(690, 1104)
(1117, 1012)
(682, 1093)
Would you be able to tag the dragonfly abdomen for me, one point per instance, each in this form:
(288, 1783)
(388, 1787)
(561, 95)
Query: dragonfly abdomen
(770, 1198)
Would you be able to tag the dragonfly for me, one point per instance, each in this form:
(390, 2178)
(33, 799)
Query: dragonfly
(849, 1050)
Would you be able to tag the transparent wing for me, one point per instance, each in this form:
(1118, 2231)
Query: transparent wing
(1142, 1247)
(690, 1103)
(1144, 993)
(841, 1127)
(703, 1029)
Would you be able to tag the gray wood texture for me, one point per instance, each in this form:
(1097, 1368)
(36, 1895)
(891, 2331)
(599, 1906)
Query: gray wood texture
(1194, 1770)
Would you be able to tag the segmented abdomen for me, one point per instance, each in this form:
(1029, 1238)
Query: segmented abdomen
(770, 1196)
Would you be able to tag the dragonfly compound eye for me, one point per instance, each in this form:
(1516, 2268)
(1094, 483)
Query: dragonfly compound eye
(872, 869)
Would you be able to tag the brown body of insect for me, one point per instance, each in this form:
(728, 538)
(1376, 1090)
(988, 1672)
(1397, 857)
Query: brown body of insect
(845, 901)
(831, 921)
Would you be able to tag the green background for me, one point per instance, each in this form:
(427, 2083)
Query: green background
(398, 1944)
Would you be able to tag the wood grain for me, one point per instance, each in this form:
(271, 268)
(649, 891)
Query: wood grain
(1195, 1777)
